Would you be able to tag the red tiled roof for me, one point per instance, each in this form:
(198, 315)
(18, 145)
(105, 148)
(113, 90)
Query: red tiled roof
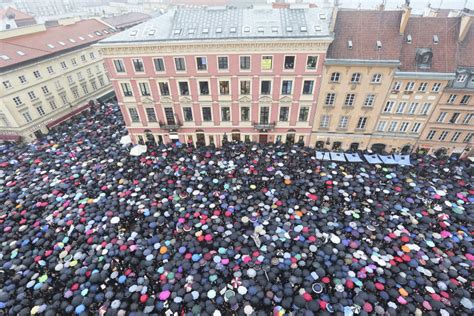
(19, 15)
(35, 45)
(364, 28)
(422, 30)
(127, 19)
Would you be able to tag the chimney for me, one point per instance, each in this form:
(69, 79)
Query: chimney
(466, 21)
(404, 20)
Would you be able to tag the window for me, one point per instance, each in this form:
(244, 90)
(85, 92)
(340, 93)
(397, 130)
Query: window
(183, 88)
(225, 114)
(206, 114)
(223, 62)
(201, 63)
(17, 101)
(144, 89)
(138, 65)
(22, 79)
(180, 64)
(430, 135)
(245, 114)
(53, 105)
(401, 107)
(164, 88)
(467, 118)
(50, 69)
(396, 86)
(436, 87)
(284, 113)
(70, 79)
(64, 99)
(289, 62)
(410, 85)
(134, 115)
(7, 84)
(311, 62)
(369, 100)
(455, 136)
(286, 86)
(57, 84)
(465, 99)
(422, 87)
(443, 135)
(204, 87)
(441, 117)
(324, 123)
(404, 127)
(63, 65)
(150, 114)
(412, 108)
(101, 81)
(74, 62)
(461, 78)
(159, 64)
(32, 95)
(127, 90)
(349, 99)
(267, 62)
(27, 117)
(381, 126)
(244, 62)
(264, 114)
(75, 93)
(89, 72)
(40, 110)
(119, 67)
(83, 58)
(388, 106)
(303, 116)
(362, 122)
(94, 85)
(454, 118)
(91, 55)
(79, 76)
(355, 77)
(188, 114)
(392, 127)
(343, 121)
(330, 98)
(468, 137)
(335, 76)
(452, 98)
(425, 109)
(265, 87)
(245, 87)
(416, 127)
(308, 87)
(376, 78)
(45, 89)
(224, 87)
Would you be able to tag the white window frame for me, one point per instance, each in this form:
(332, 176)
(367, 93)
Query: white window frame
(356, 77)
(312, 87)
(343, 121)
(154, 65)
(179, 88)
(261, 63)
(392, 126)
(436, 87)
(142, 63)
(461, 77)
(410, 86)
(452, 98)
(206, 63)
(441, 117)
(292, 87)
(221, 108)
(401, 107)
(330, 96)
(425, 109)
(443, 135)
(396, 86)
(381, 126)
(335, 77)
(219, 86)
(159, 89)
(208, 87)
(115, 66)
(349, 100)
(455, 136)
(422, 87)
(250, 63)
(431, 134)
(369, 100)
(376, 78)
(306, 63)
(412, 108)
(388, 106)
(260, 87)
(228, 63)
(325, 120)
(416, 127)
(176, 66)
(364, 120)
(294, 63)
(404, 126)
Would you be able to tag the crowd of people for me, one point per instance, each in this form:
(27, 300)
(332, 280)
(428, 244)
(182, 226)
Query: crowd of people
(245, 229)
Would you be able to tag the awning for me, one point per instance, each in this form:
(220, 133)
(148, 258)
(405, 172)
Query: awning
(107, 97)
(10, 137)
(67, 116)
(174, 136)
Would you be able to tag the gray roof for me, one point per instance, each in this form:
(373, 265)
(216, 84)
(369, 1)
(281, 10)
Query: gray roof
(230, 23)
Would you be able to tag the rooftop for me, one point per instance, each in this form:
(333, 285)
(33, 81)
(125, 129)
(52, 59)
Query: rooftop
(229, 23)
(16, 14)
(50, 41)
(127, 19)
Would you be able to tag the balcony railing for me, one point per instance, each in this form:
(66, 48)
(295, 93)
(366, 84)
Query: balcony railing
(171, 127)
(264, 126)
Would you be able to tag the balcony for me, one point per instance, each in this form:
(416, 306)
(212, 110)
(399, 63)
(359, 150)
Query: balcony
(264, 127)
(171, 127)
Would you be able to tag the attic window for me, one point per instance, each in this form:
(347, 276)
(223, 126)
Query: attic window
(260, 29)
(349, 44)
(133, 33)
(19, 52)
(219, 30)
(233, 30)
(82, 38)
(4, 57)
(246, 29)
(62, 43)
(72, 40)
(317, 28)
(379, 45)
(105, 31)
(409, 39)
(435, 39)
(98, 33)
(205, 30)
(177, 31)
(303, 29)
(322, 16)
(274, 29)
(289, 29)
(50, 45)
(151, 32)
(90, 35)
(191, 31)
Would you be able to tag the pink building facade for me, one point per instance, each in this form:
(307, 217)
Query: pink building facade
(247, 88)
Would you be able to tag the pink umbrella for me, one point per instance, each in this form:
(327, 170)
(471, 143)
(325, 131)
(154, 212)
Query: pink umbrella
(164, 295)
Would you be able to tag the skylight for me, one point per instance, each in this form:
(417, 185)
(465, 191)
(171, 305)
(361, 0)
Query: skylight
(19, 52)
(260, 29)
(219, 30)
(62, 43)
(274, 29)
(133, 33)
(105, 31)
(4, 57)
(289, 29)
(50, 45)
(246, 29)
(317, 28)
(81, 38)
(177, 31)
(205, 30)
(98, 33)
(303, 29)
(322, 16)
(90, 35)
(72, 40)
(233, 30)
(435, 39)
(191, 31)
(151, 32)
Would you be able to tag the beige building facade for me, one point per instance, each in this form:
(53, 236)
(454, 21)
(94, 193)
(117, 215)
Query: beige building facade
(48, 75)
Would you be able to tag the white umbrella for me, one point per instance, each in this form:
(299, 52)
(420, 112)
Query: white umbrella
(137, 150)
(125, 140)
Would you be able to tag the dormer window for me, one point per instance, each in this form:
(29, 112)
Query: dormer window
(424, 57)
(379, 45)
(409, 39)
(349, 44)
(435, 39)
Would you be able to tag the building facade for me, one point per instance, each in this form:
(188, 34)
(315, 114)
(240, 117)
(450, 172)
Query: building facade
(48, 75)
(204, 76)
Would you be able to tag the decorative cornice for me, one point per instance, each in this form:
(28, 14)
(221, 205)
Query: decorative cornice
(424, 75)
(362, 62)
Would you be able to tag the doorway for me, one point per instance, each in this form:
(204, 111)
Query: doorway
(378, 148)
(236, 135)
(319, 145)
(354, 146)
(336, 145)
(200, 139)
(39, 134)
(263, 138)
(290, 138)
(406, 149)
